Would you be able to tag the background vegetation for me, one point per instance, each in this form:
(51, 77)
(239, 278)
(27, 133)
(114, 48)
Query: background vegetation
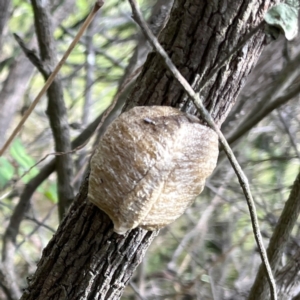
(210, 252)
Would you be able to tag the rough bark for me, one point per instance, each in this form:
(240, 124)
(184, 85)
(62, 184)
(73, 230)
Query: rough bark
(103, 258)
(85, 259)
(56, 109)
(198, 36)
(159, 16)
(23, 205)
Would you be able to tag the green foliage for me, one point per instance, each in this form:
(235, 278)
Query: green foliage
(6, 172)
(262, 155)
(20, 163)
(19, 154)
(50, 192)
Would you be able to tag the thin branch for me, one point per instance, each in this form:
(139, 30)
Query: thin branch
(20, 73)
(113, 60)
(279, 239)
(39, 225)
(79, 142)
(89, 66)
(12, 230)
(97, 6)
(288, 131)
(8, 284)
(205, 114)
(271, 100)
(136, 290)
(33, 57)
(56, 108)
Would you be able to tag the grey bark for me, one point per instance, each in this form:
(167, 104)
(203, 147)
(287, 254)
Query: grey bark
(4, 14)
(56, 109)
(8, 283)
(85, 259)
(278, 241)
(275, 96)
(12, 90)
(90, 60)
(159, 16)
(22, 207)
(196, 57)
(21, 70)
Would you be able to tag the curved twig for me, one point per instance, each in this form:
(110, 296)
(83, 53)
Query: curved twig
(97, 6)
(205, 114)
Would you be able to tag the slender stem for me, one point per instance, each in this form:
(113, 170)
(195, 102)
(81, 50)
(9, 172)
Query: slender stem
(97, 6)
(208, 118)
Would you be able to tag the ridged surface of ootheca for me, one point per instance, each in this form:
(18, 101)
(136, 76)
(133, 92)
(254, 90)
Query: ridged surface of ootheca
(150, 165)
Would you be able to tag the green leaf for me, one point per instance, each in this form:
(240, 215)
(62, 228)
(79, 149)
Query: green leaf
(284, 17)
(18, 152)
(25, 161)
(51, 193)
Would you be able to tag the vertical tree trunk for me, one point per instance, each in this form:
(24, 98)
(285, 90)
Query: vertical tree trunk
(85, 259)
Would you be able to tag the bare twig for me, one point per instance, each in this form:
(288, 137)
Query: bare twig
(8, 284)
(12, 230)
(56, 108)
(288, 131)
(272, 99)
(84, 137)
(33, 57)
(136, 290)
(97, 6)
(89, 66)
(80, 142)
(6, 194)
(20, 73)
(115, 62)
(279, 239)
(198, 233)
(205, 114)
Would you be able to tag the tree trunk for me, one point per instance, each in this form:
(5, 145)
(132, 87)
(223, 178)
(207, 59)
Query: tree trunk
(85, 259)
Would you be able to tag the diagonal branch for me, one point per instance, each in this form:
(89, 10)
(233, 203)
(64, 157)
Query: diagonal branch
(22, 207)
(20, 72)
(56, 109)
(8, 283)
(271, 100)
(33, 57)
(205, 114)
(97, 6)
(278, 240)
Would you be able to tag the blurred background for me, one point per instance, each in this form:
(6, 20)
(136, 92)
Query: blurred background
(210, 252)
